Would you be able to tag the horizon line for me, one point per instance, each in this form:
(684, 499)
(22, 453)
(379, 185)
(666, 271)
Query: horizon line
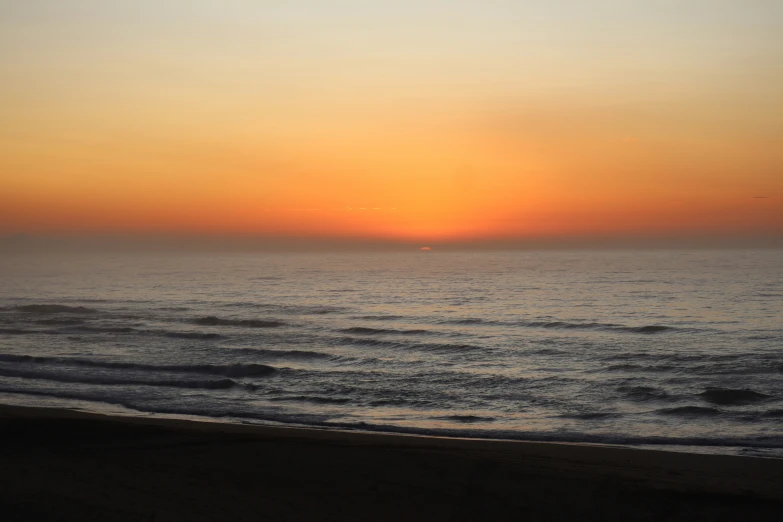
(254, 242)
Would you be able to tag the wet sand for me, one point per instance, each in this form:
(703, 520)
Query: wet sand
(66, 465)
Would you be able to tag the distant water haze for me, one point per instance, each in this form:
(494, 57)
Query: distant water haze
(57, 244)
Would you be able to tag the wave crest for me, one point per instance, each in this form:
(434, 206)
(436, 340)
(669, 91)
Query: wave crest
(209, 384)
(360, 330)
(247, 323)
(466, 419)
(689, 411)
(55, 309)
(233, 370)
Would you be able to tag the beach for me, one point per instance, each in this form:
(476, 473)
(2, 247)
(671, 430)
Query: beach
(69, 465)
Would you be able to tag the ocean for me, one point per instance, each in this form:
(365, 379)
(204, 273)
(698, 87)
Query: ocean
(678, 350)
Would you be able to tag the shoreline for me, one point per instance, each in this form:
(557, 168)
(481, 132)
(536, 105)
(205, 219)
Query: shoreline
(687, 446)
(88, 465)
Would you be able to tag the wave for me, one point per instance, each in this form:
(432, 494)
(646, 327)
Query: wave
(236, 370)
(368, 341)
(76, 329)
(652, 329)
(743, 368)
(323, 421)
(468, 321)
(100, 329)
(426, 347)
(548, 351)
(289, 309)
(746, 363)
(438, 347)
(729, 397)
(564, 325)
(359, 330)
(466, 419)
(289, 354)
(97, 300)
(311, 398)
(232, 370)
(83, 329)
(379, 317)
(247, 323)
(410, 403)
(592, 415)
(192, 335)
(209, 384)
(16, 331)
(689, 411)
(643, 393)
(312, 310)
(55, 309)
(640, 368)
(231, 412)
(61, 321)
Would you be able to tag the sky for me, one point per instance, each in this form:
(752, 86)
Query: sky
(425, 121)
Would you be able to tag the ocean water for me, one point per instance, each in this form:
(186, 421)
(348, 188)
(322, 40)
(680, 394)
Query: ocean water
(669, 349)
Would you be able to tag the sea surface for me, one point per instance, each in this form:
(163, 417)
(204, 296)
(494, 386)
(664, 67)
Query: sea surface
(677, 350)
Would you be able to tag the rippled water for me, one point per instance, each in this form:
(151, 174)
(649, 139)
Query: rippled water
(683, 349)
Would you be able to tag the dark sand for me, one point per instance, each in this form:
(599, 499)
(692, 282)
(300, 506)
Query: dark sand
(64, 465)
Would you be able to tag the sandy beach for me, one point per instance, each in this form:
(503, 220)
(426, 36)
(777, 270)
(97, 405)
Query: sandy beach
(67, 465)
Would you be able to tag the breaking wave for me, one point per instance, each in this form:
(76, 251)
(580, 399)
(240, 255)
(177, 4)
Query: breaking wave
(226, 411)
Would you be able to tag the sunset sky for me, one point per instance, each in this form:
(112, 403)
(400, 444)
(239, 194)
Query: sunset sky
(414, 120)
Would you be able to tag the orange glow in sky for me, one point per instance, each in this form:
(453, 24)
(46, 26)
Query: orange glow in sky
(420, 121)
